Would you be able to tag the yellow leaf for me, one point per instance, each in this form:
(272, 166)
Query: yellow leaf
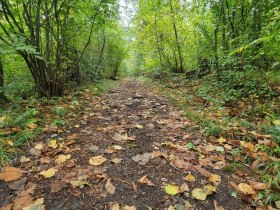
(138, 126)
(190, 178)
(117, 160)
(246, 189)
(48, 173)
(31, 125)
(9, 142)
(201, 193)
(276, 122)
(77, 183)
(172, 189)
(62, 158)
(216, 179)
(221, 140)
(128, 208)
(52, 144)
(97, 160)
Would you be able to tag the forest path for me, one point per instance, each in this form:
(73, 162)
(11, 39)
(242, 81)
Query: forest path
(137, 144)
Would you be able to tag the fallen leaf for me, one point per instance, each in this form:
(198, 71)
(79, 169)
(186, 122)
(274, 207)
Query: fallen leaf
(37, 205)
(48, 173)
(215, 179)
(171, 208)
(128, 208)
(184, 188)
(172, 189)
(125, 137)
(234, 185)
(202, 193)
(258, 185)
(58, 186)
(222, 140)
(138, 126)
(10, 143)
(276, 122)
(30, 188)
(24, 159)
(97, 160)
(77, 183)
(21, 202)
(39, 146)
(142, 159)
(114, 206)
(189, 178)
(35, 152)
(117, 160)
(7, 207)
(18, 185)
(31, 125)
(10, 174)
(220, 149)
(62, 158)
(246, 189)
(110, 187)
(53, 144)
(145, 180)
(217, 207)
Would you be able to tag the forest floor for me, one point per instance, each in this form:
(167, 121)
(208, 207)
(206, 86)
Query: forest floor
(131, 149)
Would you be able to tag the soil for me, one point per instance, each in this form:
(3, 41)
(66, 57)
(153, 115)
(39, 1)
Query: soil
(131, 109)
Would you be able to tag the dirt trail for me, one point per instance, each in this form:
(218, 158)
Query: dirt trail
(126, 122)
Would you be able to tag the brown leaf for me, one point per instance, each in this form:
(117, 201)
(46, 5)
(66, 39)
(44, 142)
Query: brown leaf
(22, 202)
(203, 171)
(57, 186)
(145, 180)
(134, 186)
(217, 207)
(234, 185)
(258, 185)
(10, 174)
(184, 188)
(110, 187)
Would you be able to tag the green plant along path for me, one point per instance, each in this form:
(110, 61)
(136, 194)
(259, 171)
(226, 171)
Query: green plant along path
(69, 130)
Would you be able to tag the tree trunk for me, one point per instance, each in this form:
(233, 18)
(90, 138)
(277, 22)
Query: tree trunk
(178, 46)
(3, 98)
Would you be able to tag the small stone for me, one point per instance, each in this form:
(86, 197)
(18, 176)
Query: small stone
(164, 179)
(53, 135)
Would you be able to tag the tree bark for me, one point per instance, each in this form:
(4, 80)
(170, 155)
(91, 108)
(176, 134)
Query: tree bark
(3, 98)
(178, 46)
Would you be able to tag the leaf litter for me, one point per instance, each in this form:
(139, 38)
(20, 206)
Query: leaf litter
(177, 169)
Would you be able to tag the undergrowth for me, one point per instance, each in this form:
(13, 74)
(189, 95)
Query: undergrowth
(20, 123)
(241, 106)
